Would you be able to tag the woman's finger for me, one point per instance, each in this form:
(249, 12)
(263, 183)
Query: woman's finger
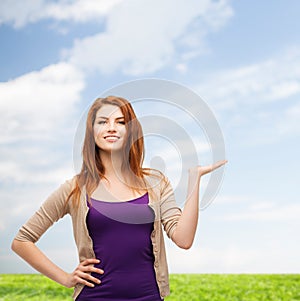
(90, 261)
(88, 266)
(84, 282)
(87, 277)
(91, 269)
(209, 168)
(219, 164)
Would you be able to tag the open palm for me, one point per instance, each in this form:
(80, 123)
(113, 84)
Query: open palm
(203, 170)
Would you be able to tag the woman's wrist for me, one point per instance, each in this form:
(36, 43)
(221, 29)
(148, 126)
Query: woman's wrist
(66, 280)
(195, 172)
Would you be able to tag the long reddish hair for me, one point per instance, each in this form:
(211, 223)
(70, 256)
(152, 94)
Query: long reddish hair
(92, 170)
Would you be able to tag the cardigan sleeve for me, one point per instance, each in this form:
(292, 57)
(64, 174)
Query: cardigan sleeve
(170, 211)
(53, 208)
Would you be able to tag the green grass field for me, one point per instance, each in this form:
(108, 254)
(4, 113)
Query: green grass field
(189, 287)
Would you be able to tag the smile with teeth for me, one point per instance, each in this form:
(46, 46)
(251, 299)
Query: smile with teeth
(111, 138)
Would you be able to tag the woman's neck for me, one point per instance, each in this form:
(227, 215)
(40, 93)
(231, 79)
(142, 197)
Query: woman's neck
(112, 163)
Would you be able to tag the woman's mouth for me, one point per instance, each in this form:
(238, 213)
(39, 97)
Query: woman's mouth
(111, 138)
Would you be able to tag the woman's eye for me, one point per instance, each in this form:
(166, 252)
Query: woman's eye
(104, 122)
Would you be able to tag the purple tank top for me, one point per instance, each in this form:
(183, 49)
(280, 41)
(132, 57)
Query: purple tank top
(121, 240)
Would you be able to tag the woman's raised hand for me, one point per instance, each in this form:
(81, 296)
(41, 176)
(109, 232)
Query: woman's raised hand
(202, 170)
(82, 274)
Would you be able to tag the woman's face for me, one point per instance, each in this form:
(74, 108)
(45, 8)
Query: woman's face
(109, 128)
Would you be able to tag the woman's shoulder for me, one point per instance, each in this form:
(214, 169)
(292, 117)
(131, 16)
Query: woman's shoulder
(69, 183)
(154, 176)
(70, 180)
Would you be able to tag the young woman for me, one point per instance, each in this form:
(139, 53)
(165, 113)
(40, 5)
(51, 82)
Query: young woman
(119, 210)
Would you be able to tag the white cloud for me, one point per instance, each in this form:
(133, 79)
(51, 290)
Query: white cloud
(257, 102)
(234, 259)
(21, 13)
(279, 213)
(63, 252)
(24, 201)
(181, 67)
(209, 260)
(37, 115)
(274, 79)
(289, 122)
(142, 36)
(264, 211)
(11, 263)
(38, 102)
(232, 199)
(255, 208)
(81, 10)
(18, 172)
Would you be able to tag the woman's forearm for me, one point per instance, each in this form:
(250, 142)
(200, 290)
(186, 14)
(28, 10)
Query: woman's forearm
(39, 261)
(185, 230)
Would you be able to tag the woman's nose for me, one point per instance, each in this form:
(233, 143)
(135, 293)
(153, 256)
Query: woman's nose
(111, 126)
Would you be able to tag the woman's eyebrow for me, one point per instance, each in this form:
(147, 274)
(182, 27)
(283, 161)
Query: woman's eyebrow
(104, 117)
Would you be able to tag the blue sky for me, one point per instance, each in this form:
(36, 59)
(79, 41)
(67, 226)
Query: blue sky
(242, 58)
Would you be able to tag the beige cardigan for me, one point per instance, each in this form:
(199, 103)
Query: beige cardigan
(161, 200)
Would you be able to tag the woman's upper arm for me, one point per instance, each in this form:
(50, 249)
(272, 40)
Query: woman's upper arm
(170, 211)
(53, 208)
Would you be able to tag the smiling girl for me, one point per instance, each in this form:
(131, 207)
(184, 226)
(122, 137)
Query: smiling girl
(119, 211)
